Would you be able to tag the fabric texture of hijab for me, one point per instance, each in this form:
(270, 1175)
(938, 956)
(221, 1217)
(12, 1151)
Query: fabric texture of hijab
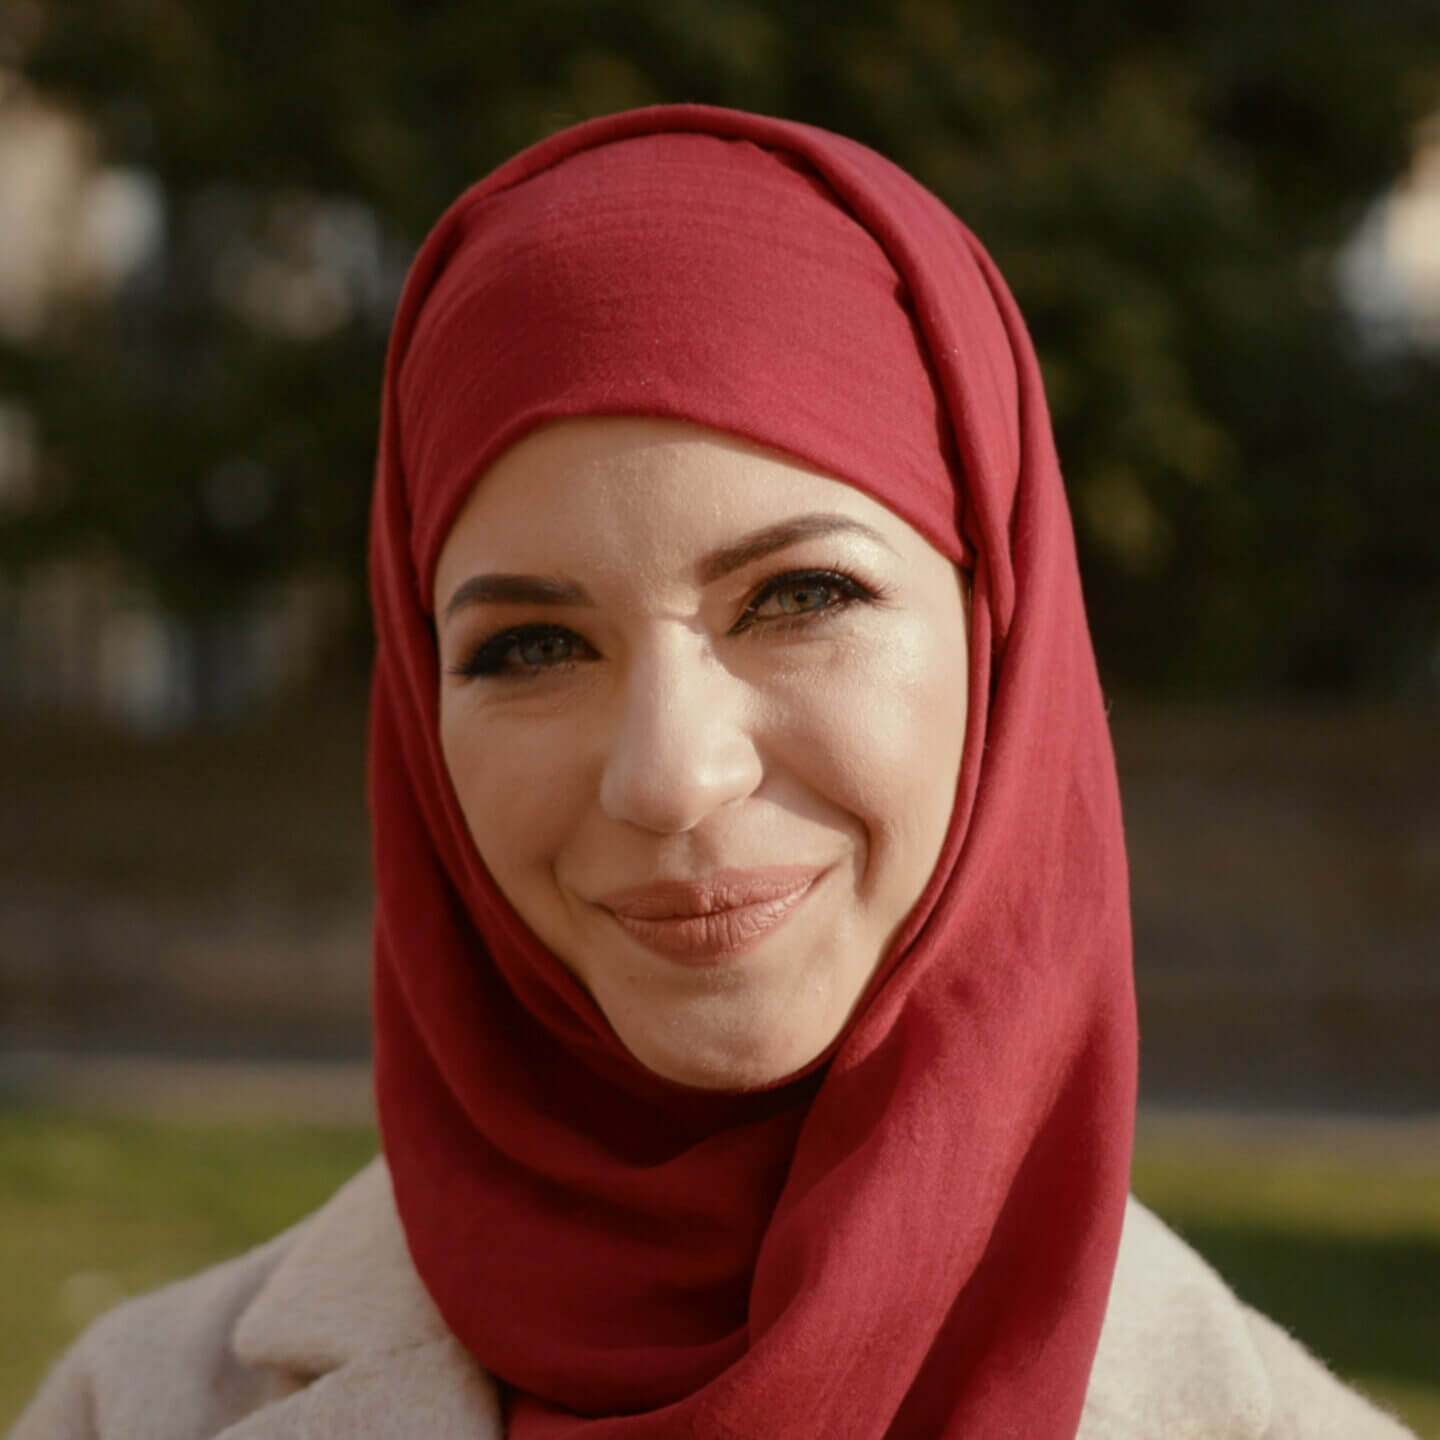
(916, 1235)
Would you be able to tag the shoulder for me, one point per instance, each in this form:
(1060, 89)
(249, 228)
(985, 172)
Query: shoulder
(1180, 1356)
(324, 1331)
(327, 1331)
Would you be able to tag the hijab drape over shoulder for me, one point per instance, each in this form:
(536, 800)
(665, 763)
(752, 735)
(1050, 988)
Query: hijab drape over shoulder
(916, 1235)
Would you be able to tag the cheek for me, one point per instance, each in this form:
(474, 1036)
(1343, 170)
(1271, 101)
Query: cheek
(880, 738)
(517, 793)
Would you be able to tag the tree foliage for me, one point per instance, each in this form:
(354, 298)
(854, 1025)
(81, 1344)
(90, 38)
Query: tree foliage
(1164, 184)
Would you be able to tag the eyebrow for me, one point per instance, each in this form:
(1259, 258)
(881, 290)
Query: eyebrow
(516, 590)
(540, 590)
(761, 543)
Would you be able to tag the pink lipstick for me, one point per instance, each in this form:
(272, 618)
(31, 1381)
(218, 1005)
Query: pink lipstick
(701, 922)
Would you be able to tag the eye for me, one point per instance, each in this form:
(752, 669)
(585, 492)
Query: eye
(525, 650)
(800, 595)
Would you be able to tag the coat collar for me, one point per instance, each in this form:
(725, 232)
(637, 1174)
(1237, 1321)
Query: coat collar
(346, 1288)
(345, 1313)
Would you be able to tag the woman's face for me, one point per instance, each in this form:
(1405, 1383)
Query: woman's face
(703, 711)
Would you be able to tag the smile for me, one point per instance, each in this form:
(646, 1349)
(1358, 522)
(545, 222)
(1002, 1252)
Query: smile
(702, 922)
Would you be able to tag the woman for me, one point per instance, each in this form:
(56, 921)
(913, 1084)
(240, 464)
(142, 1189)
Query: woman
(755, 1044)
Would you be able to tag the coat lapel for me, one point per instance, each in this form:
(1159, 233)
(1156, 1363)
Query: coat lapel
(346, 1314)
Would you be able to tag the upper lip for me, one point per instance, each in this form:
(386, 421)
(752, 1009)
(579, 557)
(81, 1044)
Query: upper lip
(706, 895)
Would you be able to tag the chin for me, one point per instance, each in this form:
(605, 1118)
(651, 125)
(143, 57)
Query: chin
(711, 1064)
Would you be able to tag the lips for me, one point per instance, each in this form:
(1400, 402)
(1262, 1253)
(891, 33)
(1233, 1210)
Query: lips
(707, 920)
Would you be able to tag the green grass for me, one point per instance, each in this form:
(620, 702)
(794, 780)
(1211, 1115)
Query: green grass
(1342, 1249)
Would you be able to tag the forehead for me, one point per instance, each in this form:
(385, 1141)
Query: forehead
(608, 492)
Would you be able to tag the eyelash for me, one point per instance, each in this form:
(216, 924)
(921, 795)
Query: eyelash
(490, 659)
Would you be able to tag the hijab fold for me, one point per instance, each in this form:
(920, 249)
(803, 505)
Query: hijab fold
(915, 1236)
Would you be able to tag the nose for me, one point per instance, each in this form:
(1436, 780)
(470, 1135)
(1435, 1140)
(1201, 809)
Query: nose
(681, 746)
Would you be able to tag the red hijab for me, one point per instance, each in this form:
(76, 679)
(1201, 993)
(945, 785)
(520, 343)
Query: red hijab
(915, 1236)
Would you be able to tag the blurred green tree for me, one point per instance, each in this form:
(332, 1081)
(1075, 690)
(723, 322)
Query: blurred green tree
(1164, 184)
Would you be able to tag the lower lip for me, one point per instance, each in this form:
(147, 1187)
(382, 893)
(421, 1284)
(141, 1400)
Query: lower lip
(718, 936)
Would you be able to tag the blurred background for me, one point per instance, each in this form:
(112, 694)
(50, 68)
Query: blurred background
(1222, 221)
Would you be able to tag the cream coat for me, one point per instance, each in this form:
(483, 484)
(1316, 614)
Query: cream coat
(327, 1332)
